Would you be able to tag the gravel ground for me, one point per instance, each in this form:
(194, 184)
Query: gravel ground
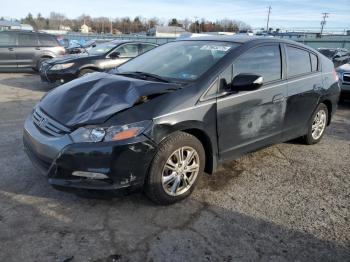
(288, 202)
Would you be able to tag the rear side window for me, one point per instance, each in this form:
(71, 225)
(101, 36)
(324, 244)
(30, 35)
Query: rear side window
(298, 61)
(27, 40)
(46, 40)
(7, 39)
(314, 62)
(263, 60)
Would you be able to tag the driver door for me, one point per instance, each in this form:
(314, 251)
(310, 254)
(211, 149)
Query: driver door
(248, 120)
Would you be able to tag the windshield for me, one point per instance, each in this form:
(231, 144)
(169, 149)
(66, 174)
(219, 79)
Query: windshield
(102, 48)
(182, 60)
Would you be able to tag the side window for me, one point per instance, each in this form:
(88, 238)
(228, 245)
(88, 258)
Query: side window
(225, 79)
(27, 40)
(298, 61)
(128, 50)
(46, 40)
(7, 39)
(314, 62)
(146, 47)
(212, 91)
(263, 60)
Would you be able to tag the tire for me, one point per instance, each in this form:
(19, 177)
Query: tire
(158, 191)
(314, 137)
(85, 71)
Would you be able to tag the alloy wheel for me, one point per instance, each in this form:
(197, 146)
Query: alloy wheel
(180, 171)
(319, 124)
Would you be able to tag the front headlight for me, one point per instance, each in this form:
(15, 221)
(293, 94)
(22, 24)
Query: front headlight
(113, 133)
(61, 66)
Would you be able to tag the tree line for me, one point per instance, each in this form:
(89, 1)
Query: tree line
(127, 25)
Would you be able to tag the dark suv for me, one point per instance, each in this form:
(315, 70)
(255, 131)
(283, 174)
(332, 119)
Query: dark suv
(19, 49)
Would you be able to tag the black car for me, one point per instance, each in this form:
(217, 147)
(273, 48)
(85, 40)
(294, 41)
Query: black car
(339, 56)
(21, 49)
(102, 57)
(164, 117)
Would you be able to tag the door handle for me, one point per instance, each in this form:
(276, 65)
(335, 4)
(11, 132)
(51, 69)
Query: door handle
(11, 49)
(37, 48)
(278, 98)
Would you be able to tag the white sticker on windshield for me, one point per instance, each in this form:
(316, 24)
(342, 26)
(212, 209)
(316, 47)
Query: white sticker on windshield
(215, 48)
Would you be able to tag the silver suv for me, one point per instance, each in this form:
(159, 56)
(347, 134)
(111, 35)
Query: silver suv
(19, 49)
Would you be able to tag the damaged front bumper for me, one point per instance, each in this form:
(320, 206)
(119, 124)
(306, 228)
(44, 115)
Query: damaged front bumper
(98, 166)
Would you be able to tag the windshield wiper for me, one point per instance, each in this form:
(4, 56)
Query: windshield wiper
(145, 75)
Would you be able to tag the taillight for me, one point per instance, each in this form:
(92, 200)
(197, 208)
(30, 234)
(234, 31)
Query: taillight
(61, 50)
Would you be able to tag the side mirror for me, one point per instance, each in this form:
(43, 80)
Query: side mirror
(246, 82)
(114, 55)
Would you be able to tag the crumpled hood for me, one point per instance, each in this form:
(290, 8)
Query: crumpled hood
(93, 98)
(69, 58)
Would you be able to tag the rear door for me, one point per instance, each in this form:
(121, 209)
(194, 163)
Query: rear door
(249, 120)
(8, 44)
(28, 49)
(304, 87)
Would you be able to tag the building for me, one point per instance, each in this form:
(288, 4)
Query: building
(166, 31)
(85, 29)
(14, 25)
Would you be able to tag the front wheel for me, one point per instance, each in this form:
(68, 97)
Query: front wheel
(85, 71)
(317, 125)
(175, 169)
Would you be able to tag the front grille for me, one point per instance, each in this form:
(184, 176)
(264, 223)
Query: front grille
(346, 78)
(47, 124)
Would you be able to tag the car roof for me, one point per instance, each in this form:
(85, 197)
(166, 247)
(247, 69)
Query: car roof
(241, 39)
(130, 41)
(27, 32)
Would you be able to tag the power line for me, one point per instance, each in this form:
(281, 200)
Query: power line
(323, 22)
(268, 19)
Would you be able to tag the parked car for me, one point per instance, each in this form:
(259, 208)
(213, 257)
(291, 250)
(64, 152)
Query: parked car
(339, 56)
(76, 48)
(99, 58)
(20, 49)
(344, 80)
(164, 117)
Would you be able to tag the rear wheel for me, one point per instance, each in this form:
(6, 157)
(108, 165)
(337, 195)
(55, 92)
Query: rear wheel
(175, 169)
(85, 71)
(317, 125)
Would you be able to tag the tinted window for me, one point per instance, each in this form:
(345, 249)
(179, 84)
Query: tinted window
(314, 62)
(27, 40)
(46, 40)
(146, 47)
(298, 61)
(264, 61)
(212, 90)
(7, 39)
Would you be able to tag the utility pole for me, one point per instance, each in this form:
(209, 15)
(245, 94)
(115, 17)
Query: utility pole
(323, 22)
(268, 19)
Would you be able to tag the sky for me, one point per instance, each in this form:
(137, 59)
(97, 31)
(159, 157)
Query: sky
(284, 13)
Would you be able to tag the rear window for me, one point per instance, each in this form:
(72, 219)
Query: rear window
(27, 40)
(298, 61)
(47, 40)
(7, 39)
